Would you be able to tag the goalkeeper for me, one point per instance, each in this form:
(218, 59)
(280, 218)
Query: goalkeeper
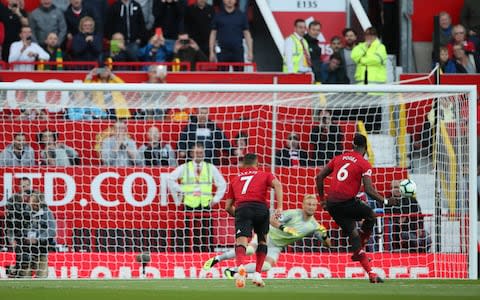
(293, 225)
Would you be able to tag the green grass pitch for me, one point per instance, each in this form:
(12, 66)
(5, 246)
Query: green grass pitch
(224, 289)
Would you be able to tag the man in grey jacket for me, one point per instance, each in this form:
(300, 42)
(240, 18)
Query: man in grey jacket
(45, 19)
(119, 150)
(32, 233)
(18, 154)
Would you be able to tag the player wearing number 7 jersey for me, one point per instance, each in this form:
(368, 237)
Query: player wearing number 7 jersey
(348, 170)
(247, 202)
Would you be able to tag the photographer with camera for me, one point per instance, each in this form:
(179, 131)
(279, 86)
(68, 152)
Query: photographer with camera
(31, 230)
(26, 50)
(86, 45)
(187, 50)
(119, 150)
(13, 18)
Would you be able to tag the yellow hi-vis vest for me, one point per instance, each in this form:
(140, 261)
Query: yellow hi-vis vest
(297, 54)
(197, 189)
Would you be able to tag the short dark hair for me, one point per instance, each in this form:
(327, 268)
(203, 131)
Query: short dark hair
(198, 144)
(298, 21)
(347, 30)
(314, 23)
(336, 56)
(335, 37)
(371, 31)
(249, 159)
(359, 141)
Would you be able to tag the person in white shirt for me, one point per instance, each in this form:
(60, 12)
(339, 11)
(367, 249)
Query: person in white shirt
(26, 50)
(197, 178)
(296, 58)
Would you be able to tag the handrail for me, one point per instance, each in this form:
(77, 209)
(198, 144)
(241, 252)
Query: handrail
(172, 66)
(216, 66)
(59, 65)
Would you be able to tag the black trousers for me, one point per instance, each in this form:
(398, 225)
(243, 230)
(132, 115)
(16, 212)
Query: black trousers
(198, 235)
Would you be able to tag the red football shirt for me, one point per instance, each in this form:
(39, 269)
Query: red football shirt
(251, 185)
(348, 170)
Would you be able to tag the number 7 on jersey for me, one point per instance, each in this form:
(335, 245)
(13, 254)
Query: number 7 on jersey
(247, 180)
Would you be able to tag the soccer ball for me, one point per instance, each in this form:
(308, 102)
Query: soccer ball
(407, 188)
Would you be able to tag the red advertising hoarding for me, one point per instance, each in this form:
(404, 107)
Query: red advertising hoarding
(189, 265)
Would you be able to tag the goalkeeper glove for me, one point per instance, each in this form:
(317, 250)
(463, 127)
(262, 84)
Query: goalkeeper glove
(289, 230)
(323, 231)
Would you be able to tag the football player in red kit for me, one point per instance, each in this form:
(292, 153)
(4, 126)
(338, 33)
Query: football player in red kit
(348, 171)
(247, 202)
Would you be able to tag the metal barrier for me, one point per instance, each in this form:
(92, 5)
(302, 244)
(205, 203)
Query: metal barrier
(52, 65)
(143, 66)
(226, 66)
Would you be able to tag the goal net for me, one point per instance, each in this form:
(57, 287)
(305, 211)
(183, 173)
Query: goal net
(89, 189)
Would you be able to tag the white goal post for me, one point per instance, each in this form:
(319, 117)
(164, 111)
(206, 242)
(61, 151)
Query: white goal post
(120, 221)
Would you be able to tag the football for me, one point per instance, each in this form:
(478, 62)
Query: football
(407, 188)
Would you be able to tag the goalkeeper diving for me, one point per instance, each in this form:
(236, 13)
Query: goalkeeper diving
(291, 226)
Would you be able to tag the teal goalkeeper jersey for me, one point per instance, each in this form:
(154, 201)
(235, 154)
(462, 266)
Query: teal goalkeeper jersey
(293, 218)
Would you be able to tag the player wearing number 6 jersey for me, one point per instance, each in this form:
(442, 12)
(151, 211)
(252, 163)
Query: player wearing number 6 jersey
(348, 170)
(246, 201)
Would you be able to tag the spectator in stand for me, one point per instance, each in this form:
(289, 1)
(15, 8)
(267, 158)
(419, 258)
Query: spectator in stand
(187, 50)
(371, 59)
(75, 12)
(99, 8)
(113, 102)
(470, 18)
(61, 4)
(445, 22)
(26, 50)
(18, 153)
(86, 45)
(51, 46)
(118, 50)
(296, 58)
(336, 44)
(45, 19)
(126, 17)
(408, 232)
(459, 37)
(332, 72)
(147, 10)
(32, 114)
(229, 27)
(292, 155)
(13, 18)
(154, 50)
(350, 36)
(447, 65)
(326, 139)
(314, 29)
(54, 153)
(201, 129)
(156, 74)
(119, 150)
(156, 153)
(241, 148)
(198, 20)
(468, 63)
(87, 112)
(169, 17)
(32, 230)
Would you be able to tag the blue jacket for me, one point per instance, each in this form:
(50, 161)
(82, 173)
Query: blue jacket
(147, 53)
(83, 51)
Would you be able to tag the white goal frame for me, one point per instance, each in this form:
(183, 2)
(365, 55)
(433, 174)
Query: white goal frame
(470, 90)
